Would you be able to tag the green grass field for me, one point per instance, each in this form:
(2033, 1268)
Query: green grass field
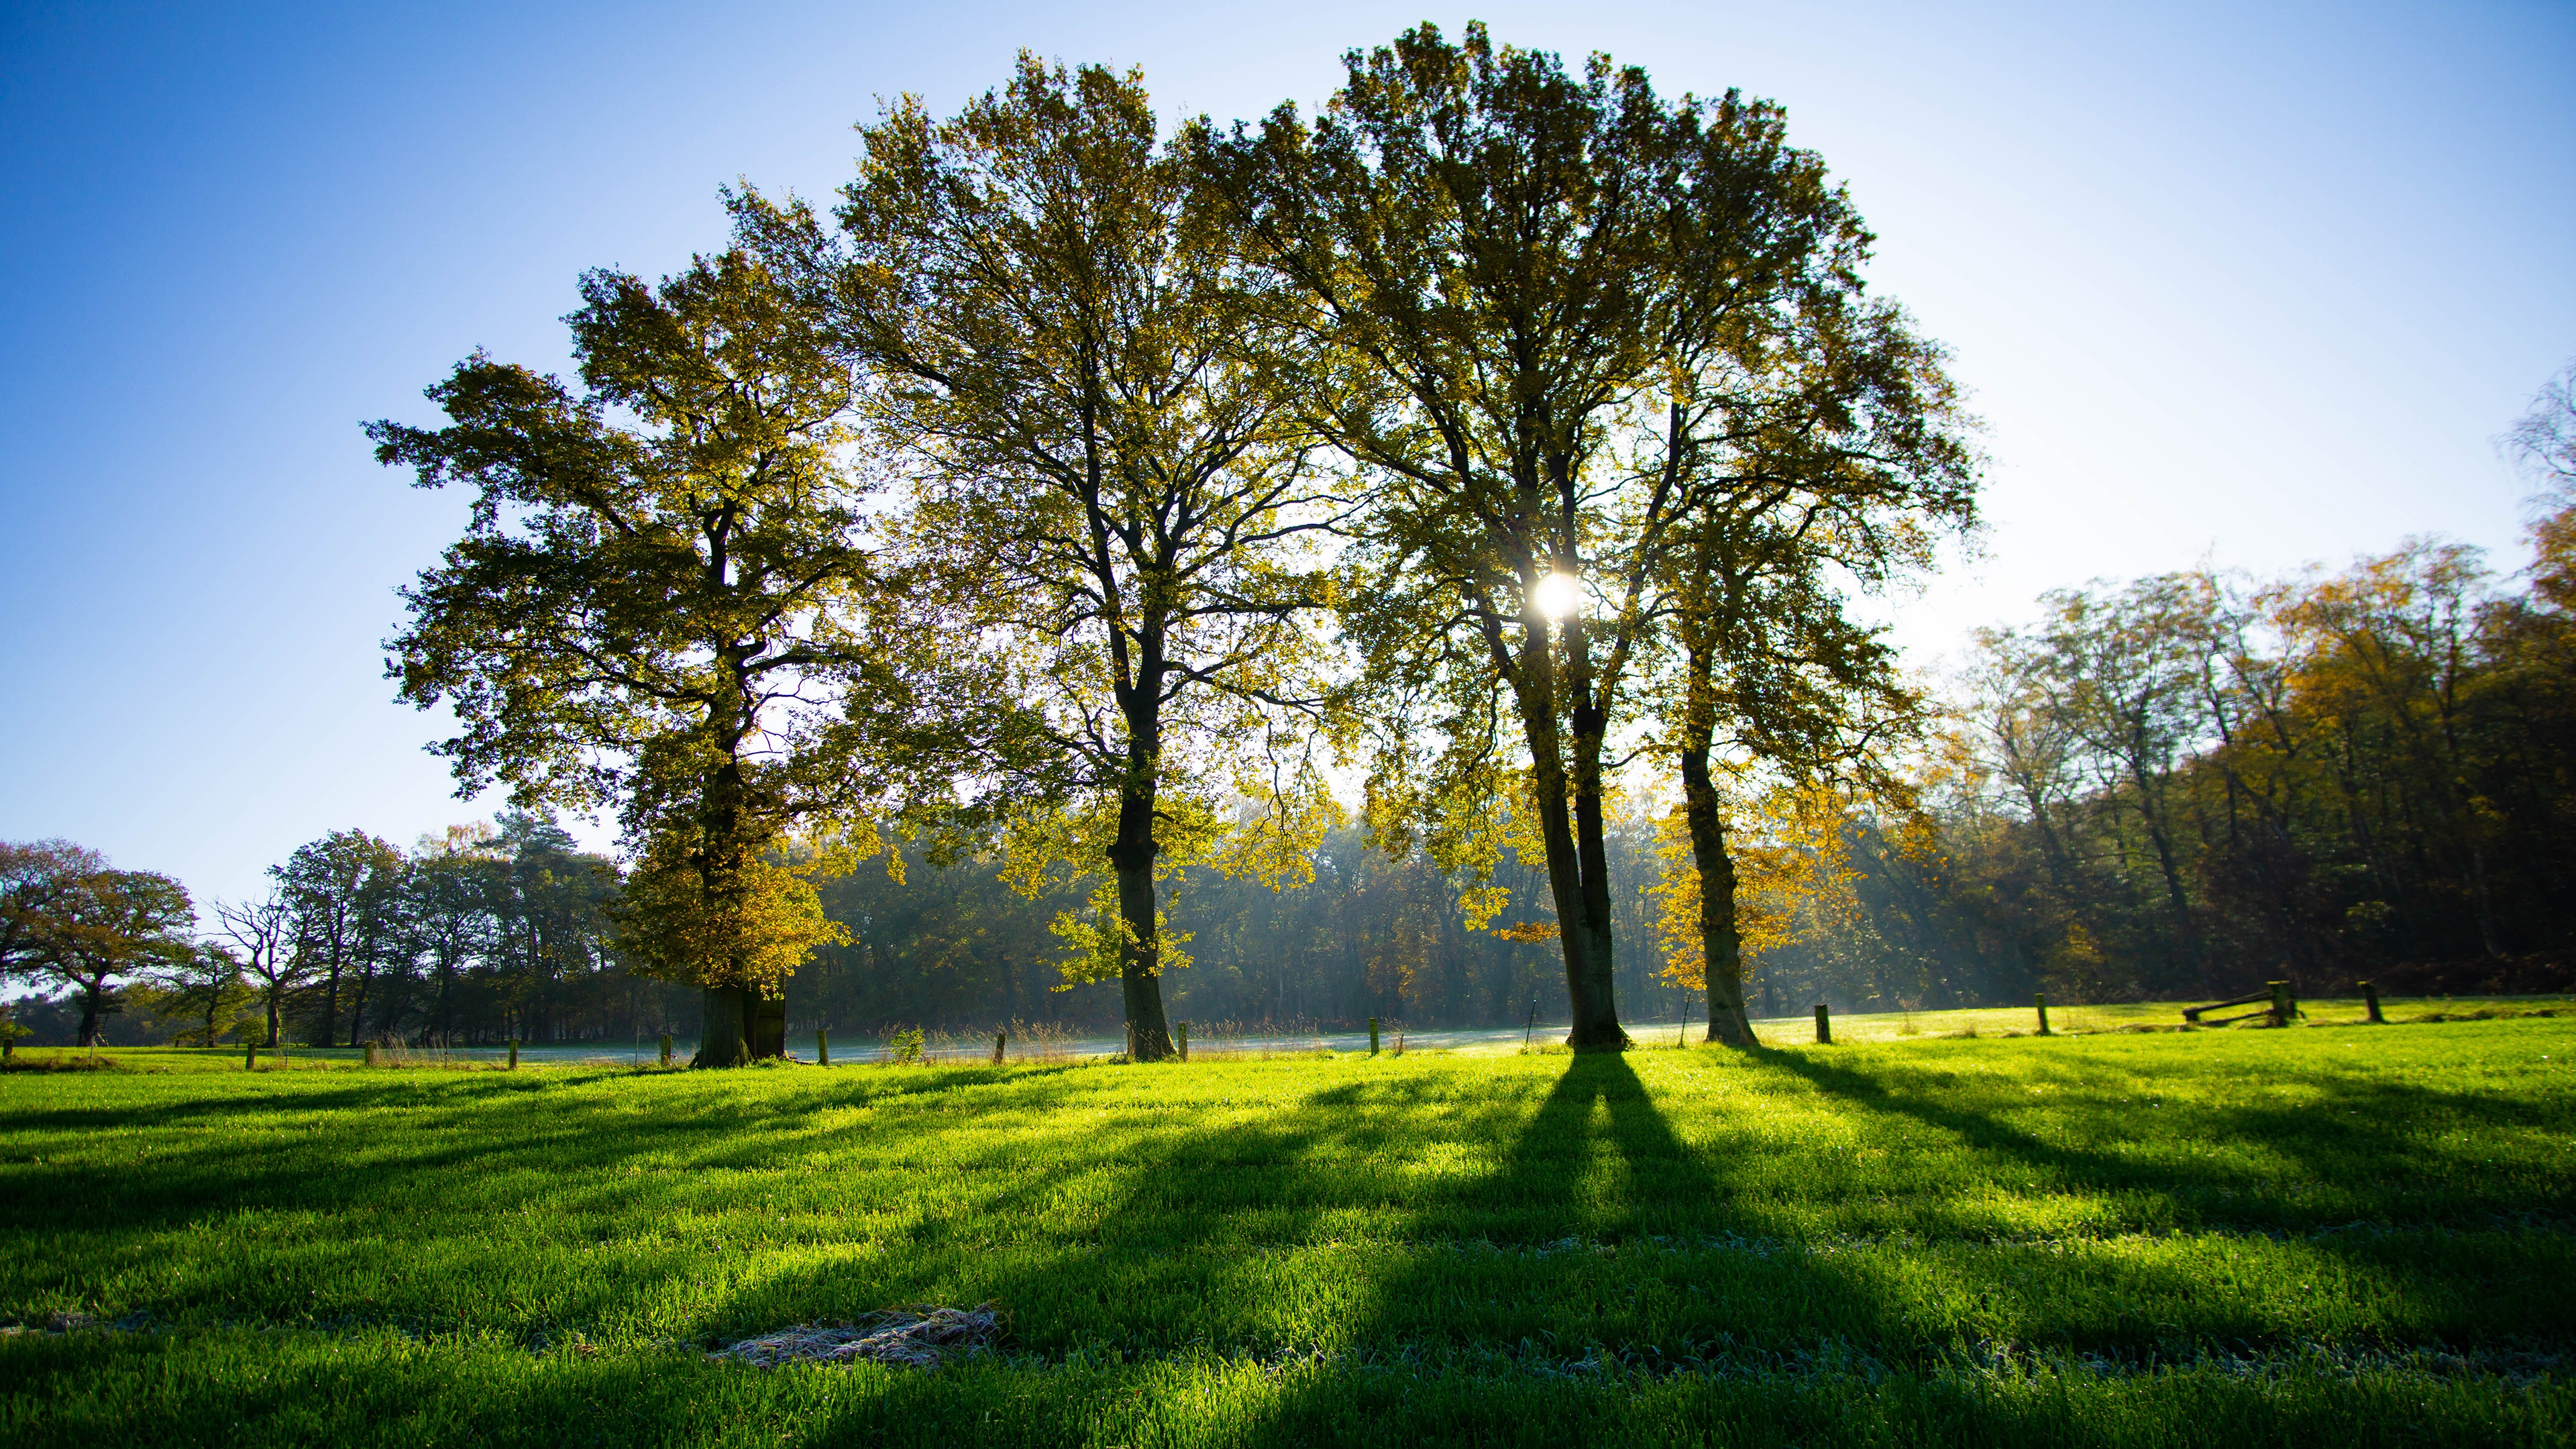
(2337, 1234)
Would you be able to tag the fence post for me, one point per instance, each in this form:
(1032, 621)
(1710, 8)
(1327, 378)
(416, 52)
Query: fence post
(999, 1038)
(371, 1054)
(514, 1054)
(1372, 1036)
(2281, 1007)
(666, 1048)
(2040, 1000)
(1183, 1045)
(1824, 1026)
(250, 1056)
(822, 1049)
(2370, 998)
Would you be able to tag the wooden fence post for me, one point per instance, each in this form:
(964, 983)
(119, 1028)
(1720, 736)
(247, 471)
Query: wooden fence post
(822, 1048)
(250, 1056)
(666, 1048)
(371, 1054)
(1824, 1026)
(2281, 1007)
(1183, 1045)
(2370, 998)
(514, 1054)
(1372, 1036)
(2040, 1000)
(999, 1038)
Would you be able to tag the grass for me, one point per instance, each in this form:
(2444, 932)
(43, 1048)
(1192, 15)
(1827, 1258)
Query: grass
(2337, 1235)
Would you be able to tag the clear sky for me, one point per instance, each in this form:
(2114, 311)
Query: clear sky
(2250, 282)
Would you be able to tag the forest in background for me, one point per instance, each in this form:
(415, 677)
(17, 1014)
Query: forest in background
(2178, 786)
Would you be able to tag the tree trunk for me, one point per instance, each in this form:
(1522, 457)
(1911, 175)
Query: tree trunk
(1596, 1018)
(1140, 979)
(1721, 944)
(358, 1006)
(89, 1016)
(1587, 974)
(724, 1037)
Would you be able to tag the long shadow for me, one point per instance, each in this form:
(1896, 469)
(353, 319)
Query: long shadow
(2365, 1145)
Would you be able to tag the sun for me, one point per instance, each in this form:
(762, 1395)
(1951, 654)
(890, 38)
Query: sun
(1557, 595)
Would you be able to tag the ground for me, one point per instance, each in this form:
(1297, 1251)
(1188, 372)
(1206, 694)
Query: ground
(2335, 1234)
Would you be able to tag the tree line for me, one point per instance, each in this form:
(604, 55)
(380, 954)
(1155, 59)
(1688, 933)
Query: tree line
(1085, 503)
(2174, 786)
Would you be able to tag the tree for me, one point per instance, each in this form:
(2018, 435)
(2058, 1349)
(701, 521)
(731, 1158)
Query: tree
(2542, 442)
(1469, 240)
(662, 602)
(34, 876)
(207, 984)
(1808, 436)
(342, 890)
(1590, 343)
(108, 925)
(449, 910)
(264, 941)
(1108, 466)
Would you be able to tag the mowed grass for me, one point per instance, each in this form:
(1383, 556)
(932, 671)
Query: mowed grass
(2334, 1234)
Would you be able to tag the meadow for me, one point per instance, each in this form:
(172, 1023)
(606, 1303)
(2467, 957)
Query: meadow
(2333, 1234)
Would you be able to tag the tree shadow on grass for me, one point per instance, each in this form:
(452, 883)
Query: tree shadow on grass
(1505, 1223)
(2363, 1149)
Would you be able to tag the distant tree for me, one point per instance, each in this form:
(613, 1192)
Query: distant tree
(450, 911)
(107, 926)
(344, 891)
(2543, 440)
(1110, 468)
(663, 602)
(205, 984)
(261, 938)
(34, 876)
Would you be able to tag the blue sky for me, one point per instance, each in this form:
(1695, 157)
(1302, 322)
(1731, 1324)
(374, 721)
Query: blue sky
(2249, 282)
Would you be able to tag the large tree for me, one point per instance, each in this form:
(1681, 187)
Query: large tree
(34, 875)
(1812, 444)
(1554, 316)
(661, 599)
(106, 926)
(1107, 464)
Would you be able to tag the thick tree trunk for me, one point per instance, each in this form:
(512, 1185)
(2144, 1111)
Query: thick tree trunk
(89, 1017)
(725, 1035)
(1140, 961)
(1596, 1018)
(1721, 944)
(1587, 964)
